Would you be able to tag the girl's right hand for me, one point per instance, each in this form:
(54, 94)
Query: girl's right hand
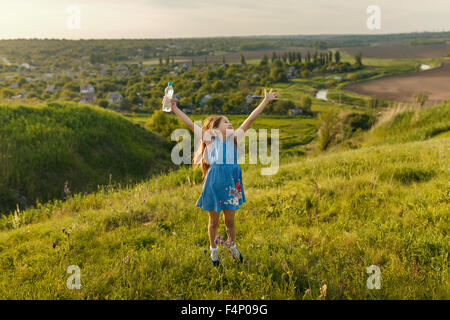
(173, 105)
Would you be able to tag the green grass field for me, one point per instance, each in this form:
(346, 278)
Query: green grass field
(42, 147)
(319, 221)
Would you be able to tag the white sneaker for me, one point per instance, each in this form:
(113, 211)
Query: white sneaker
(236, 254)
(215, 256)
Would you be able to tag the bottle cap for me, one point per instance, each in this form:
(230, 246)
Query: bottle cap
(170, 83)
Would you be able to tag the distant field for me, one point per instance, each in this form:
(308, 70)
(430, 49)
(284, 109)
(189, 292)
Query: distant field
(435, 83)
(251, 57)
(399, 50)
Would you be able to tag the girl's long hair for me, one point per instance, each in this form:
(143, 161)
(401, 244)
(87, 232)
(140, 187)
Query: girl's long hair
(209, 123)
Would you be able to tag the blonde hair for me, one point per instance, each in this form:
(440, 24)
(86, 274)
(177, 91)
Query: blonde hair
(209, 123)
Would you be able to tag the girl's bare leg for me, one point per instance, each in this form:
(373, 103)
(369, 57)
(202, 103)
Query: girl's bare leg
(231, 226)
(213, 227)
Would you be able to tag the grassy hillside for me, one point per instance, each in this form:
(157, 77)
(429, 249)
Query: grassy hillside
(320, 220)
(406, 123)
(42, 147)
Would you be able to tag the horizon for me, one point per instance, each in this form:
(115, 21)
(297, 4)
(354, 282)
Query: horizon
(238, 36)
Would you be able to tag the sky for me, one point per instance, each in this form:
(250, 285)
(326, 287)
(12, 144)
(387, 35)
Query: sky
(116, 19)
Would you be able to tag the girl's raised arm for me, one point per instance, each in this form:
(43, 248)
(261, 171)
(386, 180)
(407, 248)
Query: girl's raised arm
(268, 96)
(180, 114)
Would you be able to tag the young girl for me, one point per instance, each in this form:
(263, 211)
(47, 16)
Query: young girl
(223, 188)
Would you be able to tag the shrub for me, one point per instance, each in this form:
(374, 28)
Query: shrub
(329, 127)
(355, 121)
(162, 123)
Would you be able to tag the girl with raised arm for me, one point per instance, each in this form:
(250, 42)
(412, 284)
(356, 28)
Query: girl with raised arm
(222, 175)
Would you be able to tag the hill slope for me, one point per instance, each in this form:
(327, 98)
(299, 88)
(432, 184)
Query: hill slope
(318, 221)
(41, 147)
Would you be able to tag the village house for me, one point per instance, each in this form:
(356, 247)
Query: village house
(122, 68)
(21, 95)
(87, 93)
(24, 65)
(250, 98)
(115, 97)
(70, 74)
(204, 100)
(291, 73)
(87, 88)
(102, 67)
(50, 88)
(295, 111)
(14, 85)
(89, 97)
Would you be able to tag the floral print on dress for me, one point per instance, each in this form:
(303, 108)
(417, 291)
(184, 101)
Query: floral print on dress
(235, 193)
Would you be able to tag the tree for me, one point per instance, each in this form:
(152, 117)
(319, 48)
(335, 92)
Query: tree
(125, 104)
(306, 103)
(305, 73)
(337, 56)
(7, 93)
(243, 59)
(162, 123)
(329, 127)
(278, 75)
(282, 106)
(274, 56)
(358, 59)
(264, 61)
(103, 103)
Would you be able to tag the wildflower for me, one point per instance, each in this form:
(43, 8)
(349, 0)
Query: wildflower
(64, 230)
(215, 241)
(204, 251)
(227, 243)
(323, 292)
(54, 245)
(221, 241)
(66, 188)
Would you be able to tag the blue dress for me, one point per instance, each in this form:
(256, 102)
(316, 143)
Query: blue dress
(223, 188)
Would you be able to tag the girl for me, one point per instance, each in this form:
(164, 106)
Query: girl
(223, 188)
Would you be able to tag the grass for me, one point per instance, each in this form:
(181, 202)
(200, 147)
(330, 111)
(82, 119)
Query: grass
(319, 220)
(44, 146)
(296, 132)
(408, 123)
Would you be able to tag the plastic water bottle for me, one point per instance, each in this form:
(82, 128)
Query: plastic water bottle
(168, 94)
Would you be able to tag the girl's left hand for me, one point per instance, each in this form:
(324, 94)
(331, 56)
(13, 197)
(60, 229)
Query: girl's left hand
(269, 96)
